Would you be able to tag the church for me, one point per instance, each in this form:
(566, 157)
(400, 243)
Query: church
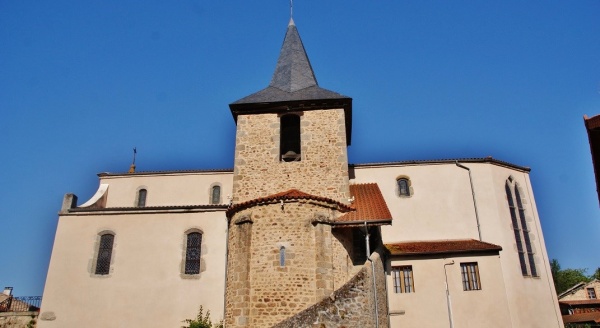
(295, 236)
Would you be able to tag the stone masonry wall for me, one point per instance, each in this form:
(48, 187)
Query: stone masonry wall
(322, 171)
(343, 266)
(18, 319)
(261, 292)
(351, 306)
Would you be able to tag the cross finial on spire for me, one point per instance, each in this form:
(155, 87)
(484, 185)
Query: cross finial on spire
(291, 9)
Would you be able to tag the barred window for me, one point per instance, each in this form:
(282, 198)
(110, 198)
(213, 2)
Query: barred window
(104, 254)
(470, 276)
(282, 256)
(520, 228)
(403, 279)
(215, 195)
(141, 199)
(193, 252)
(591, 293)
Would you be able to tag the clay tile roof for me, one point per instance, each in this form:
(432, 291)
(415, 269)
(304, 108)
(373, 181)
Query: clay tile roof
(579, 302)
(440, 247)
(368, 203)
(582, 317)
(292, 194)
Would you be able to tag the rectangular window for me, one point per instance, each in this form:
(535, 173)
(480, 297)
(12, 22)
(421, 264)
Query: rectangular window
(403, 279)
(591, 293)
(470, 276)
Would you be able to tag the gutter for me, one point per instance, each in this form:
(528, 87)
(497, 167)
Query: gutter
(354, 223)
(473, 195)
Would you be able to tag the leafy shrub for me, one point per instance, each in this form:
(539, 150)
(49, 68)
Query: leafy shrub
(201, 321)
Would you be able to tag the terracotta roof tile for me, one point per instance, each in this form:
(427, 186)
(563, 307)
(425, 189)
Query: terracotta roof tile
(440, 247)
(580, 302)
(292, 194)
(582, 317)
(368, 205)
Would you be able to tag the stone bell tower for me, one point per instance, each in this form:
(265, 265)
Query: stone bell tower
(292, 134)
(290, 182)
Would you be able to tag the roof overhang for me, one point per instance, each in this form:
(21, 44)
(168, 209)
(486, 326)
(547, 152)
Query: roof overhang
(281, 107)
(592, 126)
(439, 247)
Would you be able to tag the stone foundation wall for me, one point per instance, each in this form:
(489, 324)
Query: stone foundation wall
(351, 306)
(322, 170)
(18, 319)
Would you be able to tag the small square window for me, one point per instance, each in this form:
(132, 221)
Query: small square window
(403, 279)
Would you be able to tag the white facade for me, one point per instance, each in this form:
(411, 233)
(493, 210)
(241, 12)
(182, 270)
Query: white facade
(120, 259)
(146, 286)
(441, 207)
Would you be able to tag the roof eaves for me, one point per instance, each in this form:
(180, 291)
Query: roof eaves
(148, 208)
(488, 159)
(289, 195)
(459, 246)
(109, 174)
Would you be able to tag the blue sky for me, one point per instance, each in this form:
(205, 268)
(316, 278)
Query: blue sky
(83, 82)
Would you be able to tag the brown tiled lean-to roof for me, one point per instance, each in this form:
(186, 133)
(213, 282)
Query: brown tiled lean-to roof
(368, 205)
(440, 247)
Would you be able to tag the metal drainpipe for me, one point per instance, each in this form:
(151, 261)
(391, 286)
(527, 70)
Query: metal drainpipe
(226, 265)
(387, 299)
(373, 274)
(448, 301)
(472, 194)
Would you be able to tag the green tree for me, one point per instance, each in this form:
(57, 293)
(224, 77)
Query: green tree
(596, 274)
(201, 321)
(567, 278)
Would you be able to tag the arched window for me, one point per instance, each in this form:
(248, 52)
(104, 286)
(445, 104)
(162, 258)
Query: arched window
(104, 254)
(520, 229)
(141, 197)
(193, 252)
(282, 256)
(403, 187)
(289, 146)
(215, 194)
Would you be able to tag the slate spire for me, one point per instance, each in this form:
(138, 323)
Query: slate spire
(293, 71)
(293, 86)
(294, 79)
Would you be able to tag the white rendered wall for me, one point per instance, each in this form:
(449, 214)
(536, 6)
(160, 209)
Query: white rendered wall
(428, 305)
(145, 287)
(441, 207)
(165, 189)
